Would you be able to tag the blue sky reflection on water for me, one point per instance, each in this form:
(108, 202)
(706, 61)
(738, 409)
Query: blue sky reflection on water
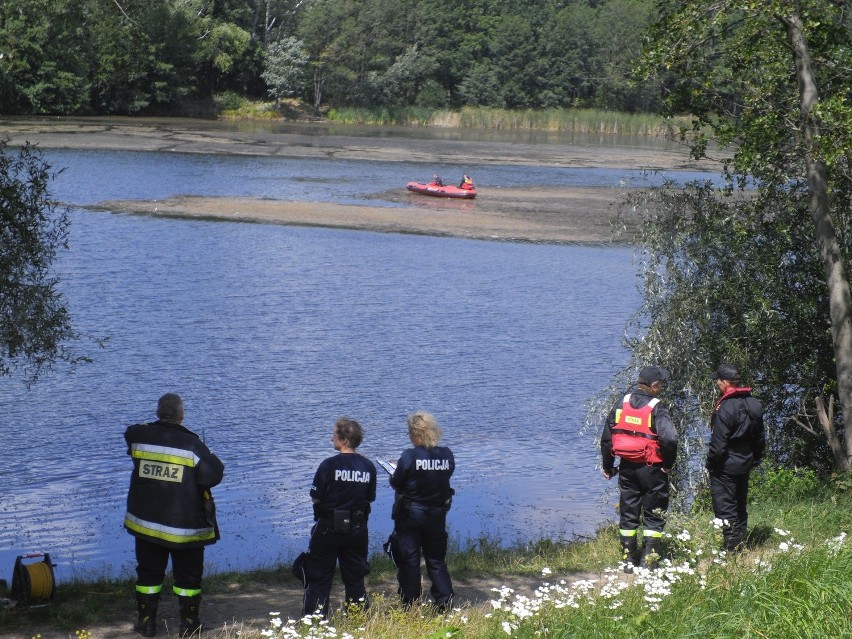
(270, 333)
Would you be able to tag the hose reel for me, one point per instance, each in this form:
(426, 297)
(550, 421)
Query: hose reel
(33, 583)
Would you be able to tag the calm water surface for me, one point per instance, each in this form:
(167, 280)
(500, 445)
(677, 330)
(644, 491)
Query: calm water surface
(270, 333)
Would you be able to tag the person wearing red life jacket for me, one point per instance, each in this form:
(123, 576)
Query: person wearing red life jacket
(737, 442)
(466, 183)
(640, 432)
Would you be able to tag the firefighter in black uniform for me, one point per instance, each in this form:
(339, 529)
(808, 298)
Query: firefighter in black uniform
(343, 488)
(170, 511)
(423, 498)
(640, 432)
(737, 442)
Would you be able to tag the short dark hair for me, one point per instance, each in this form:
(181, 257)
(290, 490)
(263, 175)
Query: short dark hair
(350, 431)
(170, 407)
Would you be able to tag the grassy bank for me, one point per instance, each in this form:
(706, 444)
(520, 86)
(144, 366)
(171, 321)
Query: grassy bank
(584, 121)
(791, 581)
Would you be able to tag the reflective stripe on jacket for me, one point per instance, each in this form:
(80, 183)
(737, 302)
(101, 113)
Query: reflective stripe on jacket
(633, 438)
(169, 501)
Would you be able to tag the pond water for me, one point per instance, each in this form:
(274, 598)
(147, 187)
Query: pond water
(270, 333)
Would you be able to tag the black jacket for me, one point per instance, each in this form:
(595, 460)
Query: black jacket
(737, 435)
(169, 501)
(661, 423)
(345, 481)
(423, 475)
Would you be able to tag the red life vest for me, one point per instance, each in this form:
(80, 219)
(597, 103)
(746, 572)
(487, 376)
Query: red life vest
(632, 437)
(736, 391)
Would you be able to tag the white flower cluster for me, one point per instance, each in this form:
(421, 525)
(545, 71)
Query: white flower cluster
(312, 627)
(560, 595)
(836, 543)
(789, 544)
(656, 583)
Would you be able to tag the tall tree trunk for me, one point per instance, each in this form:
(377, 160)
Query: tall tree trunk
(319, 83)
(835, 272)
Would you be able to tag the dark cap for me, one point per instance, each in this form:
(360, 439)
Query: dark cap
(727, 372)
(651, 374)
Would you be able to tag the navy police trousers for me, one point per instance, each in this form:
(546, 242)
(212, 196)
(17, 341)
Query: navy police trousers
(421, 528)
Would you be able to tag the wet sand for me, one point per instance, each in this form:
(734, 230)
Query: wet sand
(542, 214)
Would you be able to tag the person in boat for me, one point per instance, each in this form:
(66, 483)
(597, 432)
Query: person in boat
(466, 183)
(436, 180)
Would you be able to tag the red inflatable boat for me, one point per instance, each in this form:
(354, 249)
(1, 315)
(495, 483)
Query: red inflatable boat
(441, 191)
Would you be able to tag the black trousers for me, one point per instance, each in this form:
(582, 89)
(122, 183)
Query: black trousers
(644, 496)
(152, 559)
(325, 550)
(729, 494)
(421, 529)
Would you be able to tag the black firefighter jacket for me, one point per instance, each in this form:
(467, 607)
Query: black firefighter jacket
(169, 501)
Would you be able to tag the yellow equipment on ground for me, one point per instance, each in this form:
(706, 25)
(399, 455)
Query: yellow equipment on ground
(33, 583)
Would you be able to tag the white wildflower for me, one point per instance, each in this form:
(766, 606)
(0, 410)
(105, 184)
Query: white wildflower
(545, 571)
(837, 542)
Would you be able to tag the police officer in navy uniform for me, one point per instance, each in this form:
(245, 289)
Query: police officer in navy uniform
(343, 489)
(423, 497)
(639, 431)
(170, 512)
(737, 443)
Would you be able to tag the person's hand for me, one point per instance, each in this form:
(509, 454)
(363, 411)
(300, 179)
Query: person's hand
(609, 474)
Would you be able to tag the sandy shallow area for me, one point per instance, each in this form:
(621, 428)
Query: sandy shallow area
(558, 215)
(543, 214)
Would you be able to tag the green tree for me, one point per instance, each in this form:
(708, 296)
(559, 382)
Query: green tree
(568, 45)
(284, 67)
(42, 69)
(620, 27)
(326, 29)
(757, 279)
(35, 328)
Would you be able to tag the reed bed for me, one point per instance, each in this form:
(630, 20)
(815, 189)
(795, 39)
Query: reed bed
(584, 121)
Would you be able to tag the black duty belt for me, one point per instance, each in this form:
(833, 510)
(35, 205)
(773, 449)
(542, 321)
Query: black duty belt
(356, 516)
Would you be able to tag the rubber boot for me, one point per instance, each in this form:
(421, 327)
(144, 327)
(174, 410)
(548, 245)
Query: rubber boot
(146, 606)
(650, 556)
(628, 552)
(733, 544)
(190, 620)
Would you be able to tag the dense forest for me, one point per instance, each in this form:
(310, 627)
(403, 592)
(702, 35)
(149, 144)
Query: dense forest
(130, 57)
